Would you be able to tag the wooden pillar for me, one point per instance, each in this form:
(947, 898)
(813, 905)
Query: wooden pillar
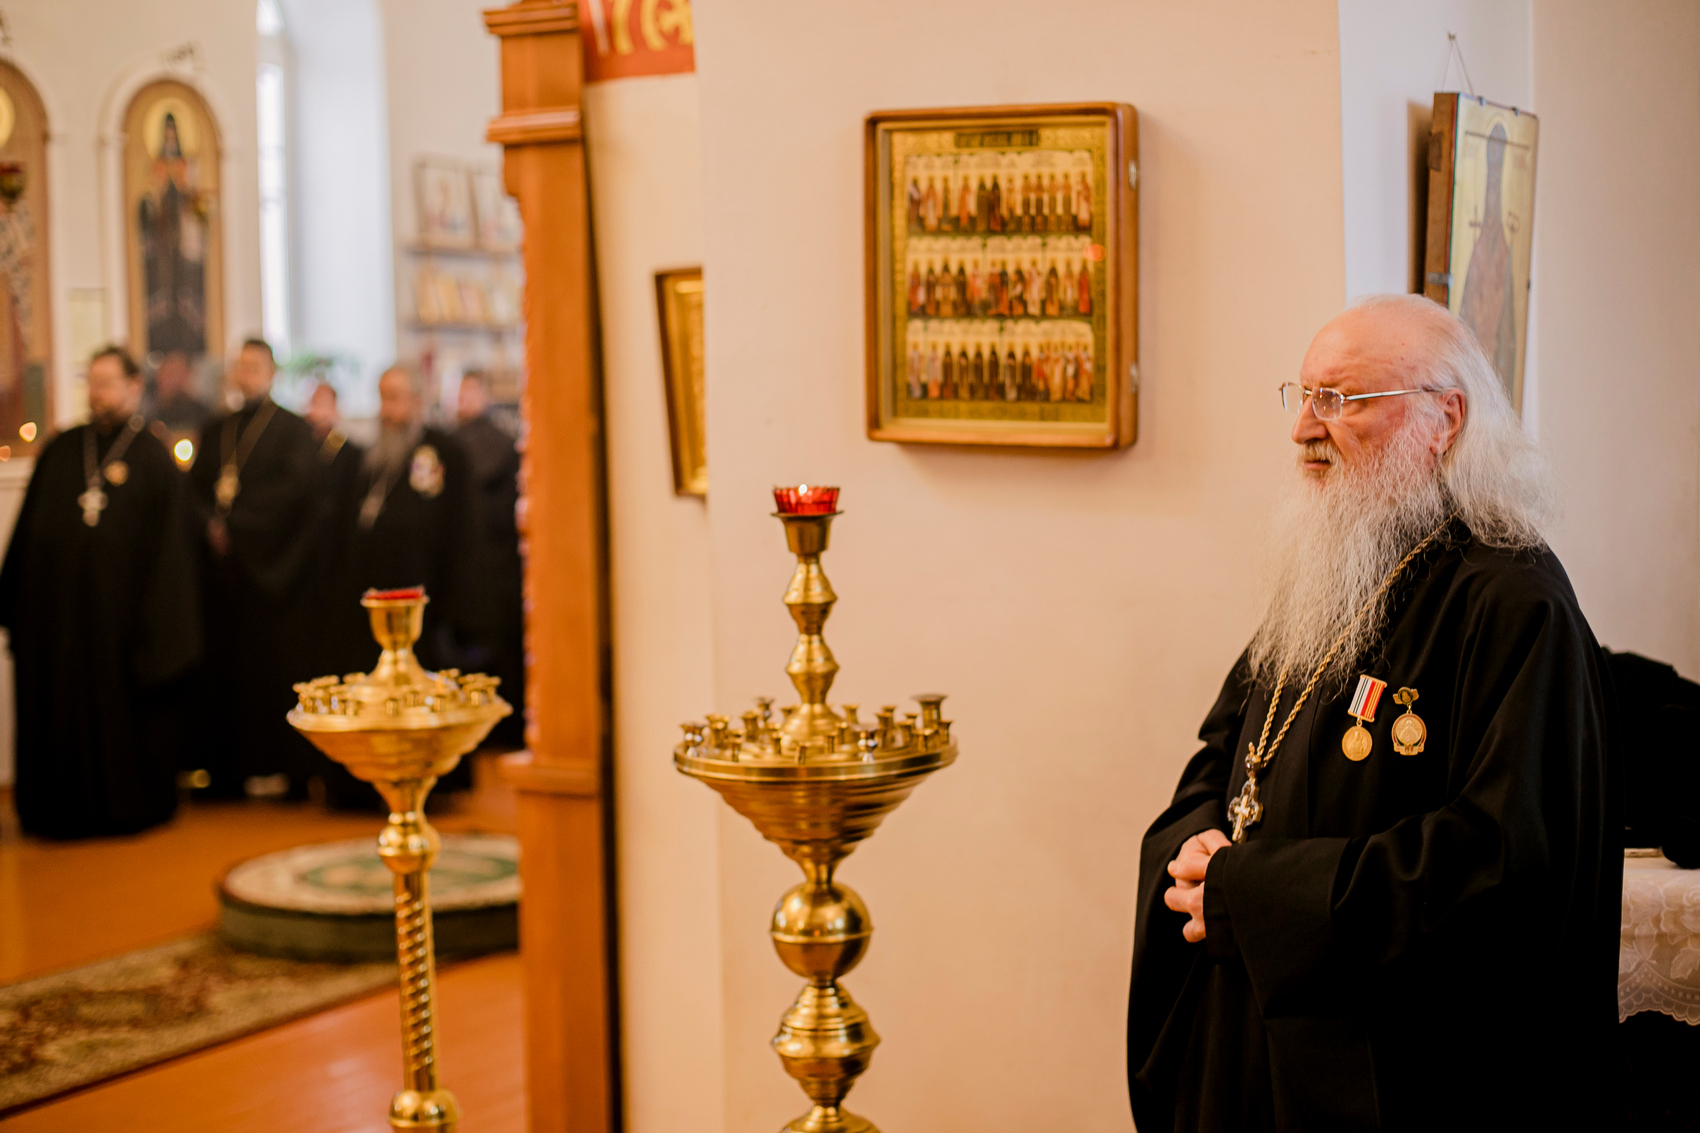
(566, 913)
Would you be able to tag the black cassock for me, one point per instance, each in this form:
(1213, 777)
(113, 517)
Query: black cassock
(105, 627)
(419, 538)
(255, 638)
(1409, 942)
(492, 615)
(339, 635)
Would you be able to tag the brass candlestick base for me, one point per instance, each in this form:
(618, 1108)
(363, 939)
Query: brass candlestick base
(400, 729)
(817, 785)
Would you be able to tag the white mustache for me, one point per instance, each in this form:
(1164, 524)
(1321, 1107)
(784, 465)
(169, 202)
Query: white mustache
(1322, 450)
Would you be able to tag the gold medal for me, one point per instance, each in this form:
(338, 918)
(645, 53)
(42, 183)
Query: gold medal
(1409, 731)
(1357, 741)
(117, 472)
(227, 487)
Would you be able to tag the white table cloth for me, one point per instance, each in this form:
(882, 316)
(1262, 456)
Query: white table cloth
(1658, 960)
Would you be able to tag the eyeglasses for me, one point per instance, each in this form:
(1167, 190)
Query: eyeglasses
(1328, 403)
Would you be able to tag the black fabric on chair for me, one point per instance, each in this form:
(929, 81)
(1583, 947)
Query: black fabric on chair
(1658, 741)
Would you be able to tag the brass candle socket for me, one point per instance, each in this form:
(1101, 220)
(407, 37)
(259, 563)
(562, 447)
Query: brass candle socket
(400, 729)
(816, 785)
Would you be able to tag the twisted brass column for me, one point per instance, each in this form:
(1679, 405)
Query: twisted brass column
(400, 729)
(408, 845)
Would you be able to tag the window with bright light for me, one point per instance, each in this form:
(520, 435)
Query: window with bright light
(273, 101)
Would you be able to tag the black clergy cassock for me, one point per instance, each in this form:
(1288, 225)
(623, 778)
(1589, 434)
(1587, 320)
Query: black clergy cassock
(105, 626)
(333, 633)
(1410, 942)
(419, 538)
(255, 641)
(492, 615)
(339, 637)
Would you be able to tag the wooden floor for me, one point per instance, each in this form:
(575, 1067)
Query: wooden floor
(65, 904)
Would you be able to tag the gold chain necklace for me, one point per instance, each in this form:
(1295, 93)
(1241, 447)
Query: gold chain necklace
(231, 464)
(1247, 809)
(93, 499)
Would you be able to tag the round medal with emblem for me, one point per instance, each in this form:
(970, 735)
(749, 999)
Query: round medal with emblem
(425, 474)
(1409, 731)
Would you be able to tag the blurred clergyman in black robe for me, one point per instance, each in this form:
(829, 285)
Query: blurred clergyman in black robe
(335, 635)
(255, 475)
(411, 525)
(99, 594)
(1410, 921)
(335, 505)
(492, 615)
(174, 403)
(414, 519)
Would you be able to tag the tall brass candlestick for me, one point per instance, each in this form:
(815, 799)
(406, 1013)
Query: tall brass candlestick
(401, 729)
(816, 785)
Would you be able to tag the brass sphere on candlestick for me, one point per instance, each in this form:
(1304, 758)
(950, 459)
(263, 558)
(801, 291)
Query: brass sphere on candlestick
(400, 729)
(816, 784)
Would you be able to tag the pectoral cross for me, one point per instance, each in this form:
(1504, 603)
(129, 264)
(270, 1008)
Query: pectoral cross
(1246, 810)
(93, 502)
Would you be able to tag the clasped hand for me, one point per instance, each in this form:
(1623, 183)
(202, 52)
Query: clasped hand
(1187, 893)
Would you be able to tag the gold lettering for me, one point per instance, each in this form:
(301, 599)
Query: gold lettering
(622, 27)
(677, 20)
(646, 24)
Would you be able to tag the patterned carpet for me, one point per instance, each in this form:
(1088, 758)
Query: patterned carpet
(78, 1027)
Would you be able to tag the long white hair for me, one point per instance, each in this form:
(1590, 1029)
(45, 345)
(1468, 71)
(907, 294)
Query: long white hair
(1493, 476)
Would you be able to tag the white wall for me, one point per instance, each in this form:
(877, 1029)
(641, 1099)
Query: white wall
(344, 263)
(1617, 271)
(644, 140)
(443, 89)
(1392, 58)
(1082, 609)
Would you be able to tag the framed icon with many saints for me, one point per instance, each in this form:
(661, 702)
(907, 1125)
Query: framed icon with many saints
(1002, 275)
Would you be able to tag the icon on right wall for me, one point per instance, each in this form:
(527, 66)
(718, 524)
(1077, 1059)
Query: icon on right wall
(1481, 212)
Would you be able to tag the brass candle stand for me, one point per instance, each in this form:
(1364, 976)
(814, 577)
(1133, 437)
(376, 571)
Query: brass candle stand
(817, 784)
(400, 729)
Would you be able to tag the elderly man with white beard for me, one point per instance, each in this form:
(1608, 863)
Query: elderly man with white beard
(1386, 893)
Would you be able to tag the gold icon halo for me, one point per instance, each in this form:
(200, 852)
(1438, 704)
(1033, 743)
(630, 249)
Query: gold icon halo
(8, 117)
(184, 116)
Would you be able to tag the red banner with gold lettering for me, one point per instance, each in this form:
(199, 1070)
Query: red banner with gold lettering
(626, 38)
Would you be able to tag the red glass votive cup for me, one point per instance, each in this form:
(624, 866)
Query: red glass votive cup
(806, 499)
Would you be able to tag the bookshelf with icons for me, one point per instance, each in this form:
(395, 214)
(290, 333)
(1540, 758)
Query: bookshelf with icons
(462, 286)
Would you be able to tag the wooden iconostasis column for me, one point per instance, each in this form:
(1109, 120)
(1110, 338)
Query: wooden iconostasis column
(562, 780)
